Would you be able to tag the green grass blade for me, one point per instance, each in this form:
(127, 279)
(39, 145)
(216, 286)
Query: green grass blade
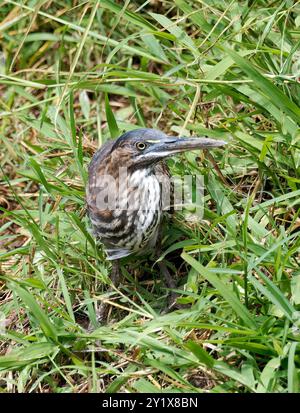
(112, 124)
(264, 85)
(223, 289)
(36, 311)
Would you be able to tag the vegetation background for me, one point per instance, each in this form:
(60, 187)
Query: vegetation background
(75, 73)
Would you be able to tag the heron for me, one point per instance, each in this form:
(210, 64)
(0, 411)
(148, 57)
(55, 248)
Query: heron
(125, 196)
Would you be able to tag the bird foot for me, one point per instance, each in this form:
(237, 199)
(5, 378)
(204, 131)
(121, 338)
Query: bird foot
(101, 316)
(170, 283)
(102, 313)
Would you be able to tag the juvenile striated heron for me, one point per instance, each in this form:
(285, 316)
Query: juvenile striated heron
(125, 195)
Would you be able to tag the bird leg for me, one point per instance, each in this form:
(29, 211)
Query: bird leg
(103, 309)
(170, 283)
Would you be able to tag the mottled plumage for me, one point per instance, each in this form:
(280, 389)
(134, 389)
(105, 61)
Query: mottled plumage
(132, 230)
(128, 191)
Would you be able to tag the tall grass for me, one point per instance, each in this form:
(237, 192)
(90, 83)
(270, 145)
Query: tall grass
(75, 74)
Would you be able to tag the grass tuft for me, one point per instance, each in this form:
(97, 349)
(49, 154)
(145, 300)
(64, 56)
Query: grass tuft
(73, 75)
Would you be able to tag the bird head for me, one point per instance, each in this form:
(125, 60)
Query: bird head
(142, 147)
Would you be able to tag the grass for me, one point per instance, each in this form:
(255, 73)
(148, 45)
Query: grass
(75, 74)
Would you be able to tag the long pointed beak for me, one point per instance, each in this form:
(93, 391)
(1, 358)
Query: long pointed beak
(189, 144)
(169, 146)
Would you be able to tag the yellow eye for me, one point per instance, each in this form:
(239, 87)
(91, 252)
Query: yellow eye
(141, 146)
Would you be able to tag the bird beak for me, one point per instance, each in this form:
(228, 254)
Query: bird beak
(169, 146)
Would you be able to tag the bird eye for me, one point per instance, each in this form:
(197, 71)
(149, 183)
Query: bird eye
(141, 146)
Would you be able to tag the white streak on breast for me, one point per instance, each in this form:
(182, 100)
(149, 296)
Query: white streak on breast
(148, 201)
